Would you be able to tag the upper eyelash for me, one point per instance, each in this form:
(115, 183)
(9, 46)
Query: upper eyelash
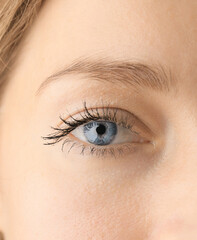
(91, 114)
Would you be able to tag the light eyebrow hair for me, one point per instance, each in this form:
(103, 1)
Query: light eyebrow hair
(132, 73)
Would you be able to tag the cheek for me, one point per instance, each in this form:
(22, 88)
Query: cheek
(48, 203)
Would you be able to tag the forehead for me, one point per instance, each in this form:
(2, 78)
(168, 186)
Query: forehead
(152, 31)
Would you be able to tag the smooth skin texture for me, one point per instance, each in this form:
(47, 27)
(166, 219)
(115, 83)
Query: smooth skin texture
(46, 194)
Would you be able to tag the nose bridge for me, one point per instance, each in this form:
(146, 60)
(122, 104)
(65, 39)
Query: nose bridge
(184, 152)
(181, 147)
(176, 208)
(175, 229)
(175, 197)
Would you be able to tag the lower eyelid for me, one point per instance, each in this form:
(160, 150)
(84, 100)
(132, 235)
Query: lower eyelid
(123, 148)
(100, 151)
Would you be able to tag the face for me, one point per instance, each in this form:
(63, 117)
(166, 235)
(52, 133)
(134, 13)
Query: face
(117, 81)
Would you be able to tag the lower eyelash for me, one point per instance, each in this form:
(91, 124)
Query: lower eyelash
(99, 151)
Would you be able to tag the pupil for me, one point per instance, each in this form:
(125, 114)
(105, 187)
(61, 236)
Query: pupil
(101, 129)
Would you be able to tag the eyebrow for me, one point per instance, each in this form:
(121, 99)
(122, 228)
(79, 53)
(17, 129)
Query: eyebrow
(129, 72)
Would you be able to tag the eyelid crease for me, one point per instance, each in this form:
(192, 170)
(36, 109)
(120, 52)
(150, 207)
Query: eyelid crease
(78, 112)
(107, 107)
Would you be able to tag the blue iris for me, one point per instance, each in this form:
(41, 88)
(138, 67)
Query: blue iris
(100, 132)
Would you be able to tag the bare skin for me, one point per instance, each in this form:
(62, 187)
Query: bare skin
(150, 193)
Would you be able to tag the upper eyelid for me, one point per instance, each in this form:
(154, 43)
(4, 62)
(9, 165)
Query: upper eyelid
(103, 108)
(96, 109)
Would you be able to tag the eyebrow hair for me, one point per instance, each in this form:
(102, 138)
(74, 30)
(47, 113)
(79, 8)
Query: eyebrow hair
(135, 74)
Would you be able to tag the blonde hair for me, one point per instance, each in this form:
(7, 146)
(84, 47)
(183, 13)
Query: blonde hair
(15, 17)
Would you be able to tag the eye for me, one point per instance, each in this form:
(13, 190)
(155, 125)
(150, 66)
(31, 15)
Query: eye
(105, 133)
(101, 131)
